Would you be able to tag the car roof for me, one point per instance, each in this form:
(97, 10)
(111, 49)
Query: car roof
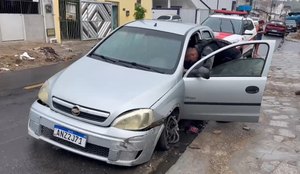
(230, 16)
(166, 26)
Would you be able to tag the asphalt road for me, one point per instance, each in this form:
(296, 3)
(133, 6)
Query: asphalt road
(21, 153)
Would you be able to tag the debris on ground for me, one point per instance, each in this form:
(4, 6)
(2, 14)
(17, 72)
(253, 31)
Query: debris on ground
(246, 128)
(49, 53)
(25, 56)
(4, 69)
(217, 132)
(191, 126)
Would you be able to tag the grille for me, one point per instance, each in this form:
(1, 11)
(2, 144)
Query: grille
(89, 148)
(81, 115)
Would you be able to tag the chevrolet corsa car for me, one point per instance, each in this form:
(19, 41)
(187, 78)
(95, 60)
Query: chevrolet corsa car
(126, 96)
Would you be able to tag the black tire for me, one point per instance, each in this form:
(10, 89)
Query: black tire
(164, 141)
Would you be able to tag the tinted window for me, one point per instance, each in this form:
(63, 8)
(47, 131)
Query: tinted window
(164, 17)
(250, 25)
(248, 64)
(224, 25)
(176, 17)
(155, 49)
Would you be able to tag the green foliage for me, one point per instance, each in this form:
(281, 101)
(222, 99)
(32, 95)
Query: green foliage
(139, 12)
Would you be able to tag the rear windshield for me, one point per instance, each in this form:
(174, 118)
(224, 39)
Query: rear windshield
(290, 22)
(277, 22)
(233, 26)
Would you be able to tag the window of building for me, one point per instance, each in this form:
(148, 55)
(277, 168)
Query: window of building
(19, 6)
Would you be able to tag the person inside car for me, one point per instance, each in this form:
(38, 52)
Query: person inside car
(205, 47)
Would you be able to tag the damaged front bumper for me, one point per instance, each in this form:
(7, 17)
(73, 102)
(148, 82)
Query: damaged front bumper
(109, 144)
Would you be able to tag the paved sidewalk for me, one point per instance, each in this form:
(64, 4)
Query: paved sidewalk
(270, 146)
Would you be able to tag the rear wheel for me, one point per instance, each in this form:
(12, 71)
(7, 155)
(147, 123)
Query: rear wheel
(169, 135)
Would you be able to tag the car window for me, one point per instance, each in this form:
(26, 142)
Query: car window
(290, 22)
(206, 35)
(164, 17)
(154, 49)
(248, 64)
(233, 26)
(250, 25)
(176, 17)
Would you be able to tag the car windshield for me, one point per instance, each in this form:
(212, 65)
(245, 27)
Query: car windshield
(233, 26)
(164, 17)
(142, 49)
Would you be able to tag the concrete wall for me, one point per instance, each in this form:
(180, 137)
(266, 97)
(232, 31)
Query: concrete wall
(12, 27)
(48, 17)
(128, 5)
(215, 4)
(188, 15)
(159, 12)
(27, 27)
(56, 20)
(181, 3)
(195, 16)
(34, 28)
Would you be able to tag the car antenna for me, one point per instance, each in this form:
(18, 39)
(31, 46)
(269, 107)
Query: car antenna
(155, 25)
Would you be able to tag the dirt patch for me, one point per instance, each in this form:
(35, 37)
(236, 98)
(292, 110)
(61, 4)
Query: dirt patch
(23, 55)
(297, 35)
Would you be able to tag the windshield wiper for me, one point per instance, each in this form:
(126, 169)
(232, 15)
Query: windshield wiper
(140, 66)
(105, 58)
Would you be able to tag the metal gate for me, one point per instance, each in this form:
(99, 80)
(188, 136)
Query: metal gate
(69, 19)
(96, 19)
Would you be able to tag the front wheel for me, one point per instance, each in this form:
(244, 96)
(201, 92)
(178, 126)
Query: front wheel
(169, 135)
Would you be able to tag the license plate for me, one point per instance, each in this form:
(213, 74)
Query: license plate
(70, 135)
(274, 31)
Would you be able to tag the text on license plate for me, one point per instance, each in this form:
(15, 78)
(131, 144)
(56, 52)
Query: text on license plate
(69, 135)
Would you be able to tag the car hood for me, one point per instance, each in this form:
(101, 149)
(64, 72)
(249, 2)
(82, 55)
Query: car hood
(233, 38)
(108, 87)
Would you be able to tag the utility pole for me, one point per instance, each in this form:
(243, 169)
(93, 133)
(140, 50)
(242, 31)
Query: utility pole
(271, 9)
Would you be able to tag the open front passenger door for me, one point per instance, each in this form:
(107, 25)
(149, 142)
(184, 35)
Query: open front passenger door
(233, 89)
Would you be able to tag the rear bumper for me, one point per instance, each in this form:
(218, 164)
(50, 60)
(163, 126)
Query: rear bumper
(108, 144)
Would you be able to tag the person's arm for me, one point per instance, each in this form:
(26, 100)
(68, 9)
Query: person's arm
(209, 62)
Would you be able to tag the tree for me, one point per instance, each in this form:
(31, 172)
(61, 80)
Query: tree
(139, 12)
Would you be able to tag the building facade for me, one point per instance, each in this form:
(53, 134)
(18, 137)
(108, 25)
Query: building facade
(57, 20)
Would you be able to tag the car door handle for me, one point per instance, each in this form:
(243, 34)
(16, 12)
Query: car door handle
(252, 89)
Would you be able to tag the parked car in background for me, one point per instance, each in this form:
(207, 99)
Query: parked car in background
(291, 25)
(171, 17)
(275, 27)
(232, 26)
(125, 97)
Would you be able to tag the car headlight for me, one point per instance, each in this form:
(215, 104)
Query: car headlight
(135, 120)
(44, 93)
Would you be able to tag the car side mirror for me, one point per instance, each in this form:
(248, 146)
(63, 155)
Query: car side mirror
(248, 32)
(200, 72)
